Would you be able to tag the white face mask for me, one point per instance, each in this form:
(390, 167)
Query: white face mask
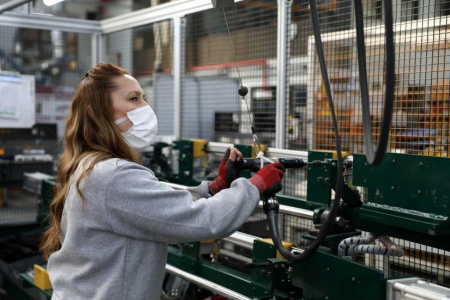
(144, 129)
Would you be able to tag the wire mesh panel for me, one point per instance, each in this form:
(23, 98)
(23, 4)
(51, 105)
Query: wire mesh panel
(57, 60)
(422, 93)
(420, 124)
(211, 106)
(146, 52)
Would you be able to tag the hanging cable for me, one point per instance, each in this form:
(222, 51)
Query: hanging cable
(375, 157)
(243, 91)
(272, 202)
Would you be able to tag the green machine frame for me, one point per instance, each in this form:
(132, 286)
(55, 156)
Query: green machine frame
(407, 197)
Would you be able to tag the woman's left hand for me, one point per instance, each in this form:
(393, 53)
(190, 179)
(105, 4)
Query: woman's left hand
(229, 170)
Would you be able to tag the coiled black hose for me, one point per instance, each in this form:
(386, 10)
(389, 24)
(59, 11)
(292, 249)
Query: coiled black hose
(372, 157)
(375, 157)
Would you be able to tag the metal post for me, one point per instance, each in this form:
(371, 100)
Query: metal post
(12, 4)
(178, 71)
(98, 48)
(310, 88)
(284, 19)
(94, 49)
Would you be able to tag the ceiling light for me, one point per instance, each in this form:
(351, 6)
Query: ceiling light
(51, 2)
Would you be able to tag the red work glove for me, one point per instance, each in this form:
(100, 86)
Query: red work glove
(228, 172)
(268, 179)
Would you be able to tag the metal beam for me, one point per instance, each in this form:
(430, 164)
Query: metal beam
(98, 48)
(209, 285)
(35, 21)
(241, 239)
(284, 18)
(178, 71)
(156, 14)
(12, 4)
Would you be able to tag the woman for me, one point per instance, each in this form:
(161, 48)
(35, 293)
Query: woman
(111, 219)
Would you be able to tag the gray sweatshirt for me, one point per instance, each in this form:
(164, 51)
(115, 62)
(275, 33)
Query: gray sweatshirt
(114, 246)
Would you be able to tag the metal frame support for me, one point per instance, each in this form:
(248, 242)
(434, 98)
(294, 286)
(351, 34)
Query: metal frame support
(284, 19)
(12, 4)
(98, 48)
(178, 71)
(34, 21)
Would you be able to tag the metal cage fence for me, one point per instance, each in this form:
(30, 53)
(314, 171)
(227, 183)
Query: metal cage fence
(57, 60)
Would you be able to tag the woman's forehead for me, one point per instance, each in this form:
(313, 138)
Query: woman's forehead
(128, 84)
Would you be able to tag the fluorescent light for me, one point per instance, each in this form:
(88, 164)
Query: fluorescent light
(51, 2)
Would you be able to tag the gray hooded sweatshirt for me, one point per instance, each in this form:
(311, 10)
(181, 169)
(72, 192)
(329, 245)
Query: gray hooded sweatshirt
(114, 246)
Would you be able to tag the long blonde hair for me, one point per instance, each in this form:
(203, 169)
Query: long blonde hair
(90, 133)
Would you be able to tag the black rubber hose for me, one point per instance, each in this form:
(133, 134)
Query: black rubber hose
(329, 222)
(376, 157)
(272, 219)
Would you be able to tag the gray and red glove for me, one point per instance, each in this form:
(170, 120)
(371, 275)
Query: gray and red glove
(228, 171)
(268, 179)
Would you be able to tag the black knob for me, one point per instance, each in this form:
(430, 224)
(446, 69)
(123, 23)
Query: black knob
(243, 91)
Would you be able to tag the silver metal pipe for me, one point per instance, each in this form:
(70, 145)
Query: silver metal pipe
(241, 239)
(12, 4)
(178, 72)
(284, 18)
(217, 147)
(293, 211)
(209, 285)
(34, 21)
(285, 153)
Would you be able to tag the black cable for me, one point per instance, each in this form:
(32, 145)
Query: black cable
(329, 222)
(375, 157)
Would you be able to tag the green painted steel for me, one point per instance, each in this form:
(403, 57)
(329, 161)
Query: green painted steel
(29, 282)
(185, 161)
(183, 258)
(298, 202)
(406, 191)
(260, 284)
(319, 179)
(227, 277)
(326, 276)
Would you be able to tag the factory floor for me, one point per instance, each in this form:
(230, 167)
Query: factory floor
(19, 207)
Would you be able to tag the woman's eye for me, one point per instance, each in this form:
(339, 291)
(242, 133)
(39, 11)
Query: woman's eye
(134, 99)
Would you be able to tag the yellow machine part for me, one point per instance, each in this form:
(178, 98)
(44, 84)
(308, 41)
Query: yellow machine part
(41, 278)
(263, 149)
(344, 154)
(286, 246)
(199, 148)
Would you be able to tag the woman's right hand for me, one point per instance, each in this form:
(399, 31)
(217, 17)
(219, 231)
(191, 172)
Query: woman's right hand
(268, 179)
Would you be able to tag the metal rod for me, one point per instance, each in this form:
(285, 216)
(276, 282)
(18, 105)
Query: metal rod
(20, 20)
(293, 211)
(241, 239)
(209, 285)
(284, 18)
(12, 4)
(178, 73)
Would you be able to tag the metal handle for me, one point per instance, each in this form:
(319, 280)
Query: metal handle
(209, 285)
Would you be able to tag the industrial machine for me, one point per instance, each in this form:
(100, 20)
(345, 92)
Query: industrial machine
(402, 198)
(370, 227)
